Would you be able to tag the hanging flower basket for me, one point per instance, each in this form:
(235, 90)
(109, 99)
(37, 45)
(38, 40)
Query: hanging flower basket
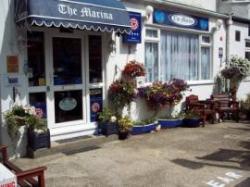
(133, 69)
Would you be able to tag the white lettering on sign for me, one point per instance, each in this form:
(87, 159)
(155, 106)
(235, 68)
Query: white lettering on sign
(183, 20)
(84, 12)
(223, 181)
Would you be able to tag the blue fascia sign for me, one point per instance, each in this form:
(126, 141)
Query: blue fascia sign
(135, 23)
(177, 19)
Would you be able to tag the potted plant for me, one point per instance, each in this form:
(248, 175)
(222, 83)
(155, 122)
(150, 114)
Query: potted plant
(173, 120)
(160, 95)
(121, 93)
(144, 126)
(125, 125)
(133, 69)
(245, 107)
(235, 72)
(38, 135)
(15, 118)
(191, 119)
(107, 122)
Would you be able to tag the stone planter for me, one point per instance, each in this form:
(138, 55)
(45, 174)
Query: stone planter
(37, 140)
(170, 123)
(142, 129)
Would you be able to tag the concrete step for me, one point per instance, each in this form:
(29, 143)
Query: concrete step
(72, 146)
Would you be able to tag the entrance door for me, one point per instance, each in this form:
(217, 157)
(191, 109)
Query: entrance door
(66, 89)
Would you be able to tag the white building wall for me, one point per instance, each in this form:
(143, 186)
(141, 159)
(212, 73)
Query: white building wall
(9, 45)
(238, 49)
(205, 4)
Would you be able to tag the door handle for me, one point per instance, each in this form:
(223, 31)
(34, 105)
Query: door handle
(48, 88)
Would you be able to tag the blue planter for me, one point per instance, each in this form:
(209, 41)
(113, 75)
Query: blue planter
(194, 122)
(170, 123)
(142, 129)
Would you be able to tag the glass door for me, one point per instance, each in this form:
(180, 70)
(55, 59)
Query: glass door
(66, 82)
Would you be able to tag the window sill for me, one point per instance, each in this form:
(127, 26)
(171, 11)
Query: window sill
(200, 82)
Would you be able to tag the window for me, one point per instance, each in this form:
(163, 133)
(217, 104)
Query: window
(247, 50)
(95, 59)
(237, 36)
(36, 59)
(181, 55)
(151, 61)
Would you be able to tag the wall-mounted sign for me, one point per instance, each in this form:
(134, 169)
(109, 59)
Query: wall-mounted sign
(96, 103)
(12, 80)
(12, 64)
(135, 23)
(140, 81)
(68, 104)
(171, 18)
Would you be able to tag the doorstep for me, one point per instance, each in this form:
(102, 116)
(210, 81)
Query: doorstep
(73, 146)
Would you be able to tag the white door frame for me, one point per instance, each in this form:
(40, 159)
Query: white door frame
(53, 88)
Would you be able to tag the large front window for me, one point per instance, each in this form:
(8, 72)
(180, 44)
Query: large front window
(181, 55)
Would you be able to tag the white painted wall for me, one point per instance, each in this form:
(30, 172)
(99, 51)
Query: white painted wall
(205, 4)
(238, 49)
(9, 46)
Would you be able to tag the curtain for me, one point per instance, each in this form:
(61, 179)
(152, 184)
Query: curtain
(179, 56)
(151, 61)
(205, 63)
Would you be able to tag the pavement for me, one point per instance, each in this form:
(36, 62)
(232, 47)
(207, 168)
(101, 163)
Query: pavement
(217, 155)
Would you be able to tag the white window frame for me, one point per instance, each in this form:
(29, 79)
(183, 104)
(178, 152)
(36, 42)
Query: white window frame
(201, 44)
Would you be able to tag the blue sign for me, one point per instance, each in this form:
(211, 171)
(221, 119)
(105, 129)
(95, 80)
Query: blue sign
(135, 23)
(163, 17)
(96, 103)
(95, 15)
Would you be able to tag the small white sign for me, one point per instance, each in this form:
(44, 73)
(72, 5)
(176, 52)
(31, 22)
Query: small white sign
(68, 104)
(140, 81)
(182, 20)
(12, 80)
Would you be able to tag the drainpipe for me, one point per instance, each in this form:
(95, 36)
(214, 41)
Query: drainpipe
(228, 33)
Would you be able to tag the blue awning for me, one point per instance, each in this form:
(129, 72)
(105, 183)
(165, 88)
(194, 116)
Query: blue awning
(97, 15)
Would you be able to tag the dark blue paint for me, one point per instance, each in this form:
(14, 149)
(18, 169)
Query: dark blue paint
(163, 17)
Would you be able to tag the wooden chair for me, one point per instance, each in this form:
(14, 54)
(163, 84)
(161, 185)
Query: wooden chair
(33, 177)
(201, 107)
(226, 105)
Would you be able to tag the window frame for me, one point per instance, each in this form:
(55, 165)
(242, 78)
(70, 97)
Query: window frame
(201, 44)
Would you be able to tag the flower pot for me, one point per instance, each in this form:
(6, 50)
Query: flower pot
(170, 123)
(142, 129)
(37, 140)
(192, 122)
(123, 135)
(107, 128)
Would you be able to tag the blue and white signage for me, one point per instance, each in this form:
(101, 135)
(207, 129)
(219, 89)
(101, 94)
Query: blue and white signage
(135, 23)
(108, 15)
(180, 20)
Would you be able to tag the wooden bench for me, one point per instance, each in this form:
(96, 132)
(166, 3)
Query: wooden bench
(202, 107)
(33, 177)
(226, 105)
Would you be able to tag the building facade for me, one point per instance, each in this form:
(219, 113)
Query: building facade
(65, 68)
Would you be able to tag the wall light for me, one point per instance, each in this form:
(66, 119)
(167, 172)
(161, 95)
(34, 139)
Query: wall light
(149, 11)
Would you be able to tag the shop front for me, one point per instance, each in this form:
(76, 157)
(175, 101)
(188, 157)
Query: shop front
(67, 48)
